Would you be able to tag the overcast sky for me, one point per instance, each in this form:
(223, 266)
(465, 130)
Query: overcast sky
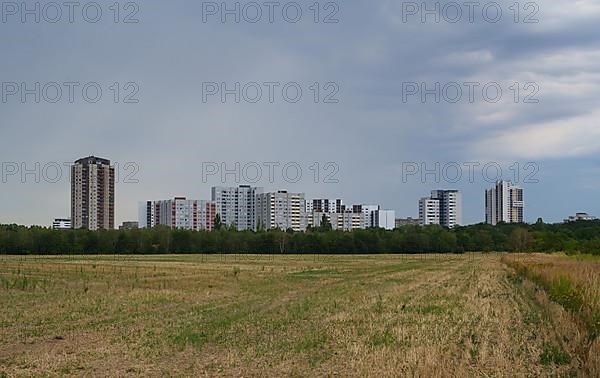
(368, 116)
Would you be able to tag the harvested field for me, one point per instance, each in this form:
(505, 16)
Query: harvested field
(249, 315)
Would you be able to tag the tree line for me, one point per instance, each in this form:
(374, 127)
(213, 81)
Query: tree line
(576, 237)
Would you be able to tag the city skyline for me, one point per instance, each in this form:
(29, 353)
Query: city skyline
(411, 212)
(439, 195)
(58, 222)
(245, 207)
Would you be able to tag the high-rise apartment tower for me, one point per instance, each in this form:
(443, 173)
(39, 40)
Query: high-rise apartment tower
(93, 194)
(504, 203)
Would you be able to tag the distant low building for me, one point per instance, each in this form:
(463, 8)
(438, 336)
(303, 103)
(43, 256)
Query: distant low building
(129, 225)
(401, 222)
(580, 217)
(61, 224)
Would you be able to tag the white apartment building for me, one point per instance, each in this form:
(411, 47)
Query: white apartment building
(146, 214)
(236, 205)
(368, 211)
(207, 212)
(321, 205)
(504, 203)
(384, 219)
(178, 213)
(348, 221)
(443, 207)
(355, 217)
(429, 211)
(450, 207)
(580, 217)
(61, 224)
(281, 210)
(309, 208)
(345, 221)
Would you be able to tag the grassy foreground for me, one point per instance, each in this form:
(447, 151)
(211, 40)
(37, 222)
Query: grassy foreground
(379, 315)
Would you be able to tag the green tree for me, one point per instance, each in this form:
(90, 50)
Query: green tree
(217, 224)
(520, 239)
(325, 224)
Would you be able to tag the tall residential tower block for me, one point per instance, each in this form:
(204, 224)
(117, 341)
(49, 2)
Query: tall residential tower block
(444, 207)
(93, 194)
(504, 203)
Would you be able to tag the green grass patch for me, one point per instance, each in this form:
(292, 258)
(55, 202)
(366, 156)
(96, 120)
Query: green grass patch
(296, 311)
(211, 326)
(381, 339)
(20, 282)
(430, 310)
(314, 345)
(595, 325)
(312, 341)
(189, 336)
(554, 355)
(313, 274)
(563, 291)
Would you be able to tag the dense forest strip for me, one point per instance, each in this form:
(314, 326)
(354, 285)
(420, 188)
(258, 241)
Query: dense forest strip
(577, 237)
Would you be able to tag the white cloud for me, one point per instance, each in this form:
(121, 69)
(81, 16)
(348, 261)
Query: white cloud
(553, 15)
(575, 137)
